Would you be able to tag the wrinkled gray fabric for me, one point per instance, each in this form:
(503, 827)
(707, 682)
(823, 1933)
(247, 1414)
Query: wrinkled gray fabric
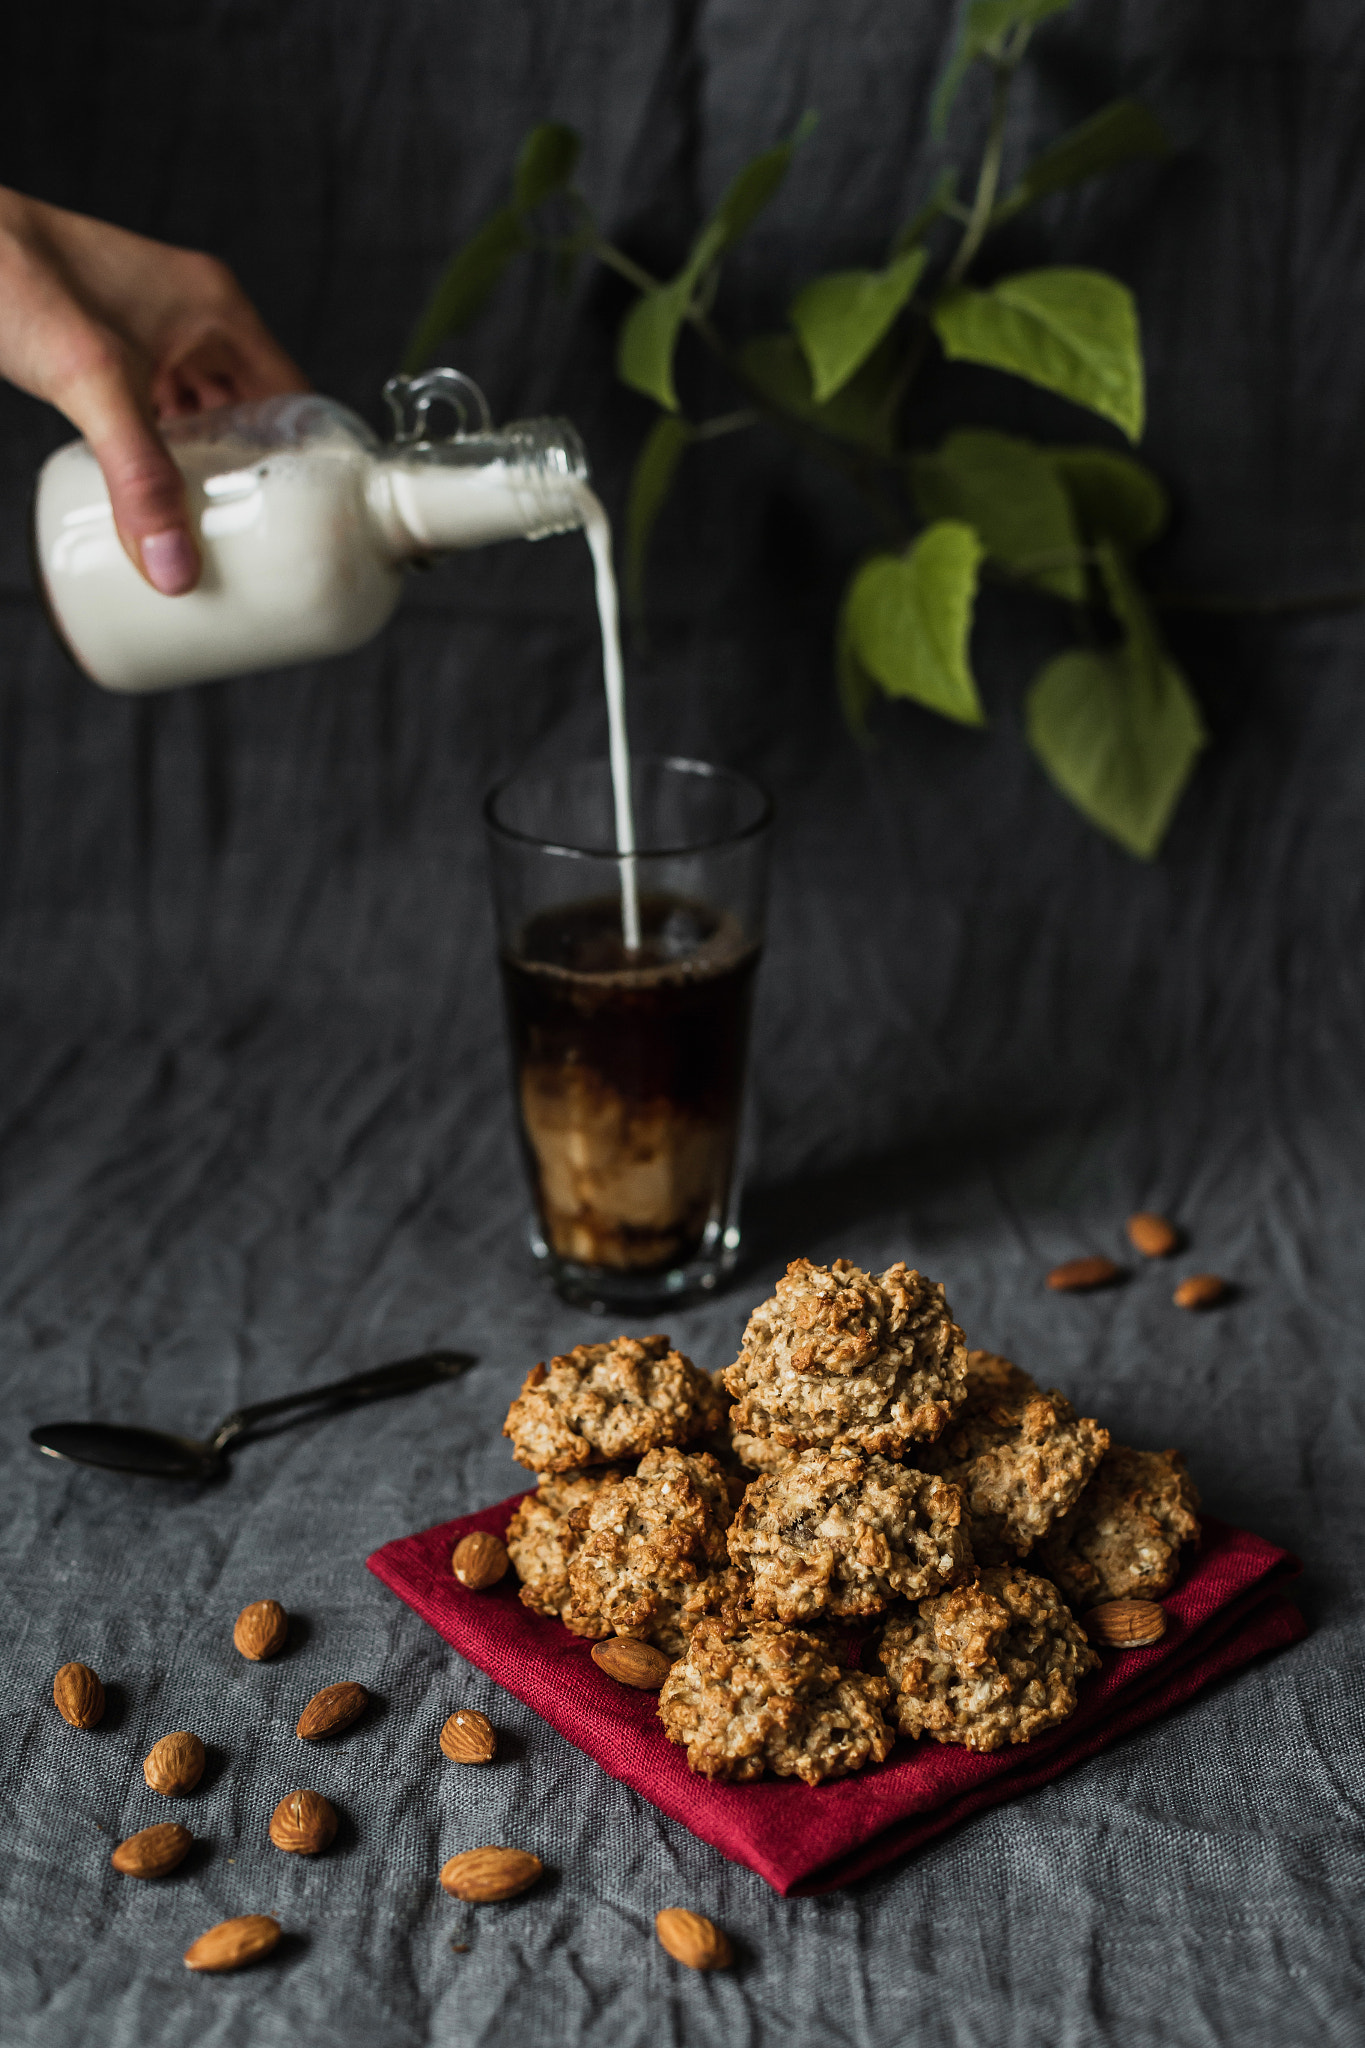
(253, 1114)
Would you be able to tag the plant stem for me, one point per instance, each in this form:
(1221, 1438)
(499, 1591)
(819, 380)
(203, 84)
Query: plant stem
(988, 177)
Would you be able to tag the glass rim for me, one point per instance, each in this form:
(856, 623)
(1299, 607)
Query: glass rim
(684, 764)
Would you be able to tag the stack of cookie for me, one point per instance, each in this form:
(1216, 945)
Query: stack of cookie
(871, 1474)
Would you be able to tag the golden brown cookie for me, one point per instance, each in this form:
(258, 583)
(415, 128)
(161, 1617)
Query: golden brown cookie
(1020, 1457)
(546, 1529)
(1124, 1535)
(994, 1661)
(601, 1402)
(646, 1544)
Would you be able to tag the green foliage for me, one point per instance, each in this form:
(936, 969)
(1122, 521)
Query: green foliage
(909, 620)
(1010, 493)
(549, 157)
(774, 366)
(1115, 497)
(985, 26)
(1074, 332)
(1116, 135)
(650, 482)
(839, 319)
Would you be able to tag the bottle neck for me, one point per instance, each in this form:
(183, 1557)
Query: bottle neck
(520, 484)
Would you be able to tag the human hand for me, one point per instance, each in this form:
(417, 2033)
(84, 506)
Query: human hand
(119, 332)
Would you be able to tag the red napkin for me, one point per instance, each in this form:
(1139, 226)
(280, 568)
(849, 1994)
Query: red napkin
(1229, 1608)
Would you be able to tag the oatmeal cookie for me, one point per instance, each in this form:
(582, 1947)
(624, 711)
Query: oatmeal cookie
(1123, 1536)
(839, 1358)
(600, 1402)
(546, 1529)
(1020, 1457)
(836, 1533)
(994, 1661)
(754, 1697)
(647, 1543)
(759, 1453)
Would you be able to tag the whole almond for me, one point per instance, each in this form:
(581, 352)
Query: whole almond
(479, 1560)
(1154, 1236)
(78, 1695)
(1201, 1290)
(1077, 1275)
(469, 1738)
(483, 1875)
(152, 1852)
(632, 1663)
(233, 1943)
(331, 1710)
(261, 1630)
(303, 1823)
(1126, 1624)
(175, 1764)
(693, 1939)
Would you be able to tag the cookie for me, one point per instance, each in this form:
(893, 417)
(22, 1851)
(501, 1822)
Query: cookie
(995, 1661)
(546, 1529)
(601, 1402)
(836, 1533)
(646, 1544)
(1124, 1535)
(839, 1358)
(1021, 1458)
(755, 1698)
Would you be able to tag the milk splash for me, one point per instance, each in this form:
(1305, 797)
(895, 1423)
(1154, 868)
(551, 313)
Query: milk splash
(597, 532)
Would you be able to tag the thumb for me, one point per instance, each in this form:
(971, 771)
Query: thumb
(146, 490)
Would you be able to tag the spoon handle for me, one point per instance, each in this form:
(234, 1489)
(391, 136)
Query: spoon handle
(405, 1375)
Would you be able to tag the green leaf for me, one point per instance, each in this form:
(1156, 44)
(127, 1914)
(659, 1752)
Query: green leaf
(858, 413)
(1009, 491)
(651, 480)
(839, 319)
(1115, 497)
(469, 278)
(1072, 331)
(758, 183)
(548, 159)
(985, 24)
(1115, 135)
(649, 332)
(1118, 731)
(910, 618)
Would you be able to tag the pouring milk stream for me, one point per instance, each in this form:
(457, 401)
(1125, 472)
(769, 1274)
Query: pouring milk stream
(305, 520)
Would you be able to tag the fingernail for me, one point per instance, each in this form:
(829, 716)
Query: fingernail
(170, 561)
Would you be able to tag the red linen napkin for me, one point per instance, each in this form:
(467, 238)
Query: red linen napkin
(1228, 1608)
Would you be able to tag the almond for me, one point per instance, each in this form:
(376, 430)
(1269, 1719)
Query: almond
(303, 1823)
(331, 1710)
(152, 1852)
(1154, 1236)
(693, 1939)
(1077, 1275)
(479, 1560)
(468, 1738)
(1201, 1290)
(78, 1695)
(261, 1630)
(632, 1663)
(175, 1764)
(1126, 1624)
(233, 1943)
(482, 1875)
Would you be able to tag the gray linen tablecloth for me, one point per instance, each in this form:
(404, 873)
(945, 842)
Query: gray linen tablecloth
(253, 1106)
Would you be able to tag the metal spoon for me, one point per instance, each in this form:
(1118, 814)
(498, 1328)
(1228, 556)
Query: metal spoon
(121, 1449)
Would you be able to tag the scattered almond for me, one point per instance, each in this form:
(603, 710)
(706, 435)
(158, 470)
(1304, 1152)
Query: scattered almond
(303, 1823)
(469, 1738)
(78, 1695)
(693, 1939)
(152, 1852)
(1126, 1624)
(482, 1875)
(632, 1663)
(331, 1710)
(479, 1560)
(233, 1943)
(1077, 1275)
(1201, 1290)
(261, 1630)
(1154, 1236)
(175, 1764)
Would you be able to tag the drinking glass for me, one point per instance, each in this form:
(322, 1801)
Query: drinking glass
(628, 1060)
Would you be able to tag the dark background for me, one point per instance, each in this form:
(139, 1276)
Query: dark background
(253, 1120)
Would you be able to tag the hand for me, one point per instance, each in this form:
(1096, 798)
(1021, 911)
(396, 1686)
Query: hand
(118, 333)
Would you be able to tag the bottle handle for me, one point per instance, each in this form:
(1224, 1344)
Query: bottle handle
(410, 400)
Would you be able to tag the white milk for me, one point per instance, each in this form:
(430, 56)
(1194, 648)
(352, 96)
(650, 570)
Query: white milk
(597, 531)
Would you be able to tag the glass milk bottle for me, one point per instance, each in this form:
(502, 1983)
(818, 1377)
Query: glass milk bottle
(305, 520)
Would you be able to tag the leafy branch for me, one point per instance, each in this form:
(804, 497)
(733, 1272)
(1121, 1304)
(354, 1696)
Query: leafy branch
(1113, 721)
